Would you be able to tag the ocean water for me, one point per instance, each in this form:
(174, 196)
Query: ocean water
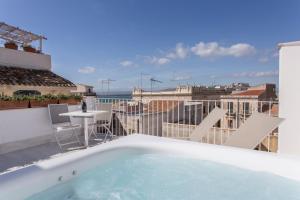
(115, 96)
(167, 177)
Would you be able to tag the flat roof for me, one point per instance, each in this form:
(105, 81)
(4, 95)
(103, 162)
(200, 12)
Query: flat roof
(85, 85)
(13, 33)
(293, 43)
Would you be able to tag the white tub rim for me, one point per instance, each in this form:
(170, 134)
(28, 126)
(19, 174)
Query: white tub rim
(281, 165)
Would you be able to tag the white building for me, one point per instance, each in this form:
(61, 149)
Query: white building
(289, 87)
(27, 71)
(82, 89)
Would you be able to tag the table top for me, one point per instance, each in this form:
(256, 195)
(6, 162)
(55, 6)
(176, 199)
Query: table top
(79, 113)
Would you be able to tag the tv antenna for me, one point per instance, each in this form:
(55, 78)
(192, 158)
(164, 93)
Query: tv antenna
(141, 86)
(152, 82)
(107, 83)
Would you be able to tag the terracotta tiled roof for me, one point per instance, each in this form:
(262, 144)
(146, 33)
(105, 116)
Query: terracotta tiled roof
(160, 106)
(31, 77)
(134, 108)
(126, 107)
(250, 93)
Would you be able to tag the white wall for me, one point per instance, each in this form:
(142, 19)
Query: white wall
(289, 99)
(24, 59)
(22, 128)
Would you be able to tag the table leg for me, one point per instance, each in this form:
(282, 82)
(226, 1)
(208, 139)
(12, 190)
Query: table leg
(86, 132)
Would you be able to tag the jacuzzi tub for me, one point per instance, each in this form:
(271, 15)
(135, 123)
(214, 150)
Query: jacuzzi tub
(24, 182)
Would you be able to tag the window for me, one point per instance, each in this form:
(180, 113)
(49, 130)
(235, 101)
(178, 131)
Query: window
(230, 123)
(218, 124)
(27, 92)
(246, 107)
(230, 107)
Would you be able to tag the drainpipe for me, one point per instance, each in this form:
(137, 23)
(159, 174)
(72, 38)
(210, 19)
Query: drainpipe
(238, 113)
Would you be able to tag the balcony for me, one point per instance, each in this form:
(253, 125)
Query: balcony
(15, 58)
(32, 139)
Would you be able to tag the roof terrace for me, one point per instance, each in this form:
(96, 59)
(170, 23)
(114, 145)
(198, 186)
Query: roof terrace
(15, 34)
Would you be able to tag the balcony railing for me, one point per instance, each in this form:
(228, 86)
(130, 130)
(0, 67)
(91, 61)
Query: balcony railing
(178, 118)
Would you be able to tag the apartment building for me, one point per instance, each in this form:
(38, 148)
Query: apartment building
(181, 92)
(27, 71)
(240, 105)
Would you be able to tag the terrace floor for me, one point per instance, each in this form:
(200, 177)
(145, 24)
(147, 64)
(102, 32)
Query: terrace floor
(19, 158)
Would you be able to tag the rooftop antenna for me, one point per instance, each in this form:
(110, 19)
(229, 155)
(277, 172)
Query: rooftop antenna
(141, 86)
(106, 82)
(152, 81)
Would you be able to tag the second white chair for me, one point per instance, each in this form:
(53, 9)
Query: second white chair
(102, 121)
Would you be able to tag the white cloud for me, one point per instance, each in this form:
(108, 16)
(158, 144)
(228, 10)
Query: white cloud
(213, 49)
(127, 63)
(266, 74)
(159, 61)
(256, 74)
(202, 49)
(181, 78)
(267, 55)
(263, 59)
(87, 70)
(163, 61)
(179, 52)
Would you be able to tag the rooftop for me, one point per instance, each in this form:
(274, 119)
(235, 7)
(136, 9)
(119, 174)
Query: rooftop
(294, 43)
(249, 93)
(32, 139)
(12, 33)
(31, 77)
(85, 85)
(161, 106)
(16, 159)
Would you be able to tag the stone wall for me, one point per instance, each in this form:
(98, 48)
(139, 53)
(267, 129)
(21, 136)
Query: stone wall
(10, 89)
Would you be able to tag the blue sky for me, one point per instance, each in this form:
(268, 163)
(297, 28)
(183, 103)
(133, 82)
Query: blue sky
(177, 42)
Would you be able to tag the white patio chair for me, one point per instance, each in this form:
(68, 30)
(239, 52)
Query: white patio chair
(252, 132)
(204, 127)
(62, 124)
(102, 121)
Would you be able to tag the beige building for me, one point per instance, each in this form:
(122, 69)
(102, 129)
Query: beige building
(240, 105)
(85, 90)
(185, 92)
(27, 71)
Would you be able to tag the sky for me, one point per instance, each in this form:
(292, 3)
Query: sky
(201, 42)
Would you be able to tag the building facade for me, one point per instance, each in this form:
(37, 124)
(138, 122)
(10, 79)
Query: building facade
(85, 90)
(27, 71)
(185, 92)
(241, 105)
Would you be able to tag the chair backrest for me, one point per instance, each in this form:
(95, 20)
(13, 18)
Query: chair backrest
(204, 127)
(252, 132)
(91, 102)
(106, 116)
(55, 110)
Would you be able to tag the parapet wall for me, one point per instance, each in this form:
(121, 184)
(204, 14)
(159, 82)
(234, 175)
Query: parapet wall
(16, 58)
